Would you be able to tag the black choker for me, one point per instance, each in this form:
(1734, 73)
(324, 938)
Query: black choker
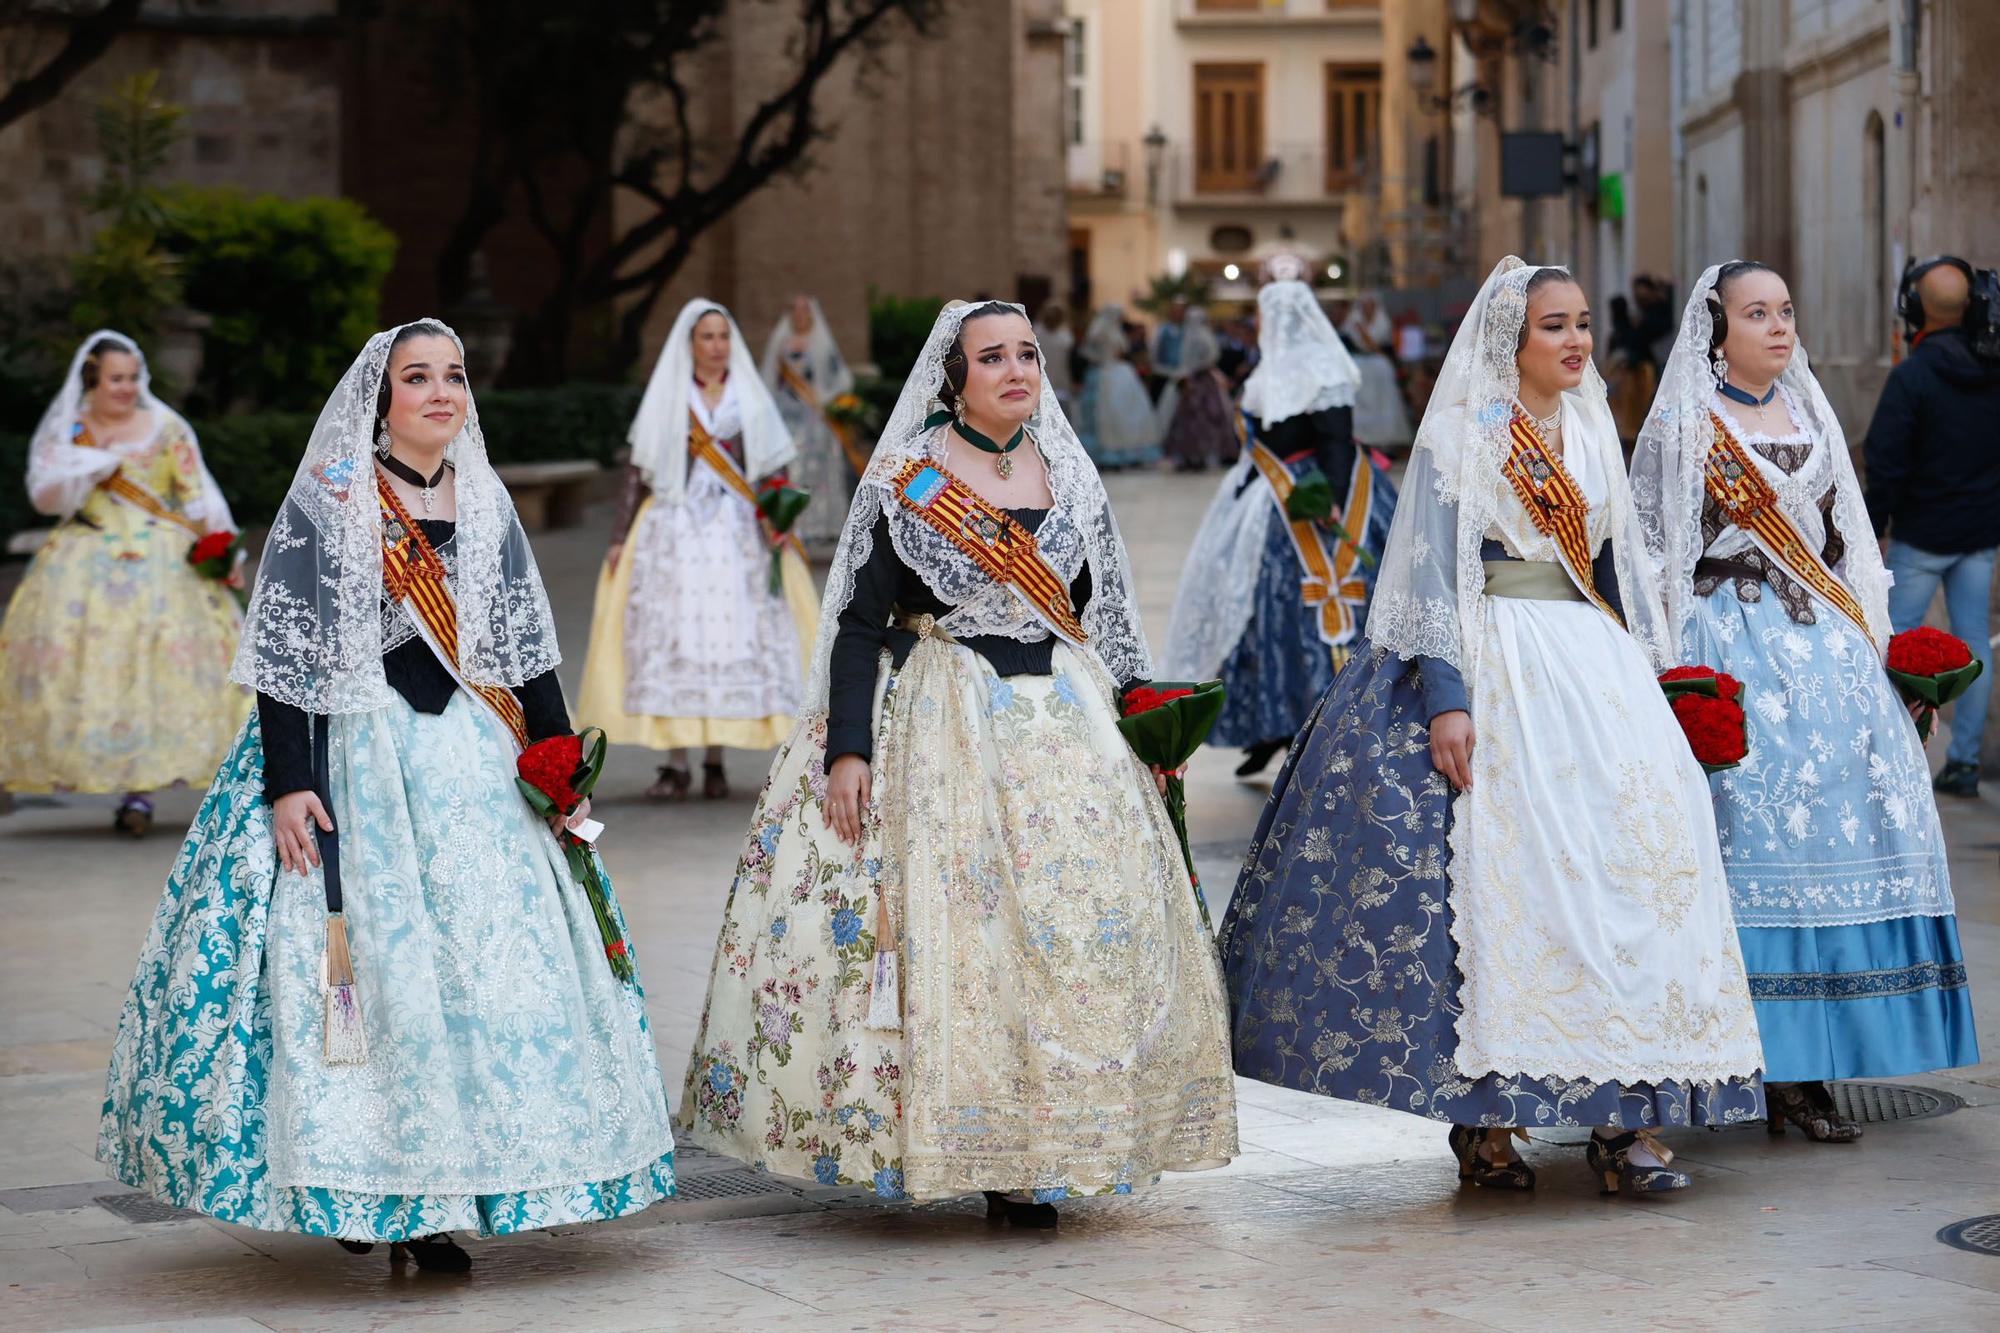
(1736, 395)
(1003, 463)
(426, 489)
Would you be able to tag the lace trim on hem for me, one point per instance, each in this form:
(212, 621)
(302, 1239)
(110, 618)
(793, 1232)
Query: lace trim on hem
(566, 1178)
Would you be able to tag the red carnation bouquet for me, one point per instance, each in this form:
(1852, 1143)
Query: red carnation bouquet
(1165, 722)
(779, 504)
(216, 555)
(1931, 668)
(1709, 706)
(556, 776)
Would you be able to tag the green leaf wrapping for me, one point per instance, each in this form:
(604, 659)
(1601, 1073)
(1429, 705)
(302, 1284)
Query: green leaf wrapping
(782, 505)
(1167, 736)
(1938, 690)
(1311, 498)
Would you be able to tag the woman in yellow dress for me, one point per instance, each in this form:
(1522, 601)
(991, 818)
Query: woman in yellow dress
(692, 641)
(115, 652)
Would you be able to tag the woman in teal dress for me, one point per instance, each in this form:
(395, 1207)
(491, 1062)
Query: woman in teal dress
(486, 1070)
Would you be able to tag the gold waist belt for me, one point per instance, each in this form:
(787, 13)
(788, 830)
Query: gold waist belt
(1531, 580)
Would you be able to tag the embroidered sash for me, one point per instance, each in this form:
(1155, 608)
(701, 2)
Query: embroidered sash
(413, 574)
(1735, 484)
(1332, 582)
(121, 487)
(702, 446)
(989, 536)
(1555, 503)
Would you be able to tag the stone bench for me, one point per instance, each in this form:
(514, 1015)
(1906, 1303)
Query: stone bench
(550, 495)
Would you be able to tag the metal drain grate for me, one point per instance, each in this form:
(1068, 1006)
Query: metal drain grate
(1979, 1235)
(1874, 1103)
(738, 1184)
(141, 1208)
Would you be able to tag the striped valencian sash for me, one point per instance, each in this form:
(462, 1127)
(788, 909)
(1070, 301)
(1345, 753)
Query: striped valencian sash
(1555, 503)
(1735, 484)
(413, 574)
(702, 446)
(990, 537)
(122, 488)
(1332, 582)
(857, 457)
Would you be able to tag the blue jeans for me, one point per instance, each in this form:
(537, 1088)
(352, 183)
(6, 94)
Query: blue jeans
(1967, 580)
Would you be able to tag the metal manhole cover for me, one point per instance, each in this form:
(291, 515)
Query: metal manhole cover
(141, 1208)
(1874, 1103)
(727, 1185)
(1980, 1235)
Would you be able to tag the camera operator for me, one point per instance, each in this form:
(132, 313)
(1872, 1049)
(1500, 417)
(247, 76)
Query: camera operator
(1933, 465)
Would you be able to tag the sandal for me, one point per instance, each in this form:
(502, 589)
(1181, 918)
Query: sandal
(1612, 1159)
(1810, 1107)
(1510, 1173)
(714, 784)
(134, 817)
(672, 785)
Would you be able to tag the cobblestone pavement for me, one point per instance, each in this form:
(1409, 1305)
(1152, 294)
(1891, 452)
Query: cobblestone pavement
(1334, 1215)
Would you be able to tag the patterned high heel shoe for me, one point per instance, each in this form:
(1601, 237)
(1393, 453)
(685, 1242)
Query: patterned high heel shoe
(1810, 1107)
(1510, 1174)
(1612, 1160)
(434, 1254)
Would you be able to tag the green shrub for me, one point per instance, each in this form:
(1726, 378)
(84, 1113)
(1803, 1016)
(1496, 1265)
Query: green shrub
(898, 327)
(570, 421)
(292, 287)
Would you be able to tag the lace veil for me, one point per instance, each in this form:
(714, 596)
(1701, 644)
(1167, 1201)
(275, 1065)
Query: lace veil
(1077, 532)
(62, 474)
(1431, 577)
(1104, 340)
(659, 434)
(829, 373)
(1673, 446)
(319, 620)
(1302, 366)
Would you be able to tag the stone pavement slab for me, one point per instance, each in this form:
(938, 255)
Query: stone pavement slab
(1335, 1216)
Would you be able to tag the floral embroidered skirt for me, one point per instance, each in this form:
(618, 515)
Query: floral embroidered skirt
(114, 661)
(1201, 421)
(1280, 667)
(1835, 855)
(1338, 946)
(1064, 1029)
(510, 1080)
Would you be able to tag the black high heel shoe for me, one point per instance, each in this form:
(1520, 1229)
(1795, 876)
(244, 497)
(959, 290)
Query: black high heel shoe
(433, 1254)
(1257, 757)
(1612, 1160)
(1019, 1212)
(1512, 1174)
(1810, 1107)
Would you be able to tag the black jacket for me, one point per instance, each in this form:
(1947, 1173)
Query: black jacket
(1933, 449)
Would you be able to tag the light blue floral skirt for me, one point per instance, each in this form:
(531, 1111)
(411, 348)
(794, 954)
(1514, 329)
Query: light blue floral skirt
(1835, 855)
(510, 1082)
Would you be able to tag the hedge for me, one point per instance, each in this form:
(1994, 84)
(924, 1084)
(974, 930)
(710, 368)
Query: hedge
(254, 456)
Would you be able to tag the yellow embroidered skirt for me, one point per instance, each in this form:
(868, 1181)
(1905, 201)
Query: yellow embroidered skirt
(114, 661)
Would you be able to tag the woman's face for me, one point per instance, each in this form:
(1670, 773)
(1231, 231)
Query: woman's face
(1762, 330)
(802, 316)
(1003, 368)
(711, 346)
(428, 394)
(117, 391)
(1555, 342)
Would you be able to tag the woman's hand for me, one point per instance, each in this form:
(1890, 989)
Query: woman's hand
(1160, 776)
(559, 823)
(1451, 747)
(849, 787)
(292, 819)
(611, 556)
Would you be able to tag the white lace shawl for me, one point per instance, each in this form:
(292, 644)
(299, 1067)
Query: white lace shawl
(1078, 531)
(1302, 365)
(1454, 495)
(62, 473)
(319, 619)
(1673, 447)
(659, 433)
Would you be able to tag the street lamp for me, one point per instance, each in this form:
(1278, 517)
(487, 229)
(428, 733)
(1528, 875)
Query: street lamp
(1155, 144)
(1422, 59)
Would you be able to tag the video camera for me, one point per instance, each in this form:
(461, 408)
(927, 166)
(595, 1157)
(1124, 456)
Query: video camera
(1982, 314)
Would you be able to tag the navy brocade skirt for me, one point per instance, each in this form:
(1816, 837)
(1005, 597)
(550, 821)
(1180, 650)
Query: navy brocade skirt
(1337, 951)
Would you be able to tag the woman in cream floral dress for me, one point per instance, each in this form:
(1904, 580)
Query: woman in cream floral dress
(114, 657)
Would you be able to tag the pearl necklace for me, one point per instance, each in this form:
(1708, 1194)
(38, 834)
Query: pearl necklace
(1547, 425)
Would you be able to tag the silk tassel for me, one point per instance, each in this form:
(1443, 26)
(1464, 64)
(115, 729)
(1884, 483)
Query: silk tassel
(885, 997)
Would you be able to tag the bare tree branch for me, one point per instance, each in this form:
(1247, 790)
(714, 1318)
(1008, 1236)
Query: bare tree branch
(89, 38)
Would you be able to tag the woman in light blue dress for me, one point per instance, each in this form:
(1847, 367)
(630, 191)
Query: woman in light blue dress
(1830, 834)
(487, 1070)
